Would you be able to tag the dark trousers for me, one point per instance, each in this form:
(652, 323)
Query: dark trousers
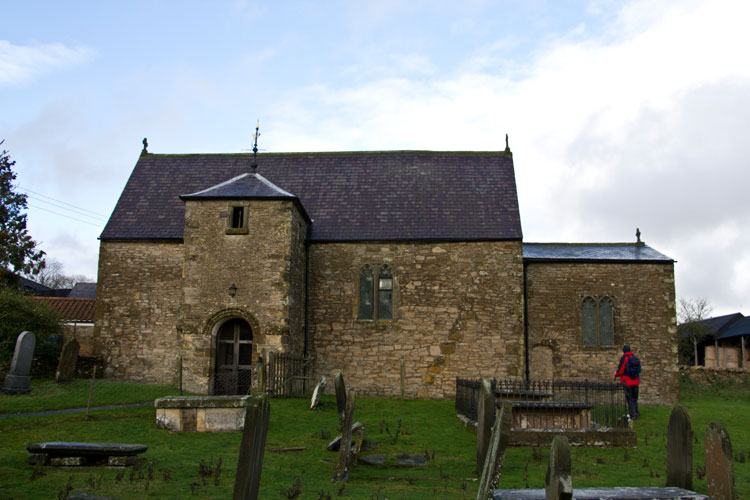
(631, 396)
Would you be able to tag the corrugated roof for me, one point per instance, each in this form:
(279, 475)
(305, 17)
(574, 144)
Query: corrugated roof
(623, 252)
(359, 196)
(71, 309)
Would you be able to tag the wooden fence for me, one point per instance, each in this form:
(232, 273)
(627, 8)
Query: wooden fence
(288, 376)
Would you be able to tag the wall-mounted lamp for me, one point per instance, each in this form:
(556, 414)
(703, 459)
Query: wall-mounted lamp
(232, 290)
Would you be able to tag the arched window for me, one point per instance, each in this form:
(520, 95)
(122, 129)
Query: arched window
(385, 294)
(606, 322)
(597, 322)
(588, 321)
(366, 294)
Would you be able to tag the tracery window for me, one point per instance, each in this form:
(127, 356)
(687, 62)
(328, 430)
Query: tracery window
(597, 321)
(366, 294)
(375, 294)
(385, 294)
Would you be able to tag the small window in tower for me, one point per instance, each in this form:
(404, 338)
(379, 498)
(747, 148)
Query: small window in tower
(238, 217)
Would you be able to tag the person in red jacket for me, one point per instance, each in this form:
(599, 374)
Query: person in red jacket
(630, 384)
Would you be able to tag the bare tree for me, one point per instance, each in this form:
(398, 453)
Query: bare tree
(691, 330)
(53, 276)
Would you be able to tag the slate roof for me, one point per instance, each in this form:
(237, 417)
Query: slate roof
(358, 196)
(245, 187)
(83, 291)
(592, 252)
(738, 328)
(71, 309)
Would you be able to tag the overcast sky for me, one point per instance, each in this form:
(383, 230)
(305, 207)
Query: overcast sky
(621, 114)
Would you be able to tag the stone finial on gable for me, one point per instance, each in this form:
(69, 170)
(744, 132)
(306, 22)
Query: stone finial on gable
(507, 147)
(144, 152)
(638, 241)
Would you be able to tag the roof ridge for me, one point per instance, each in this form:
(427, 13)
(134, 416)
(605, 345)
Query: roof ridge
(335, 153)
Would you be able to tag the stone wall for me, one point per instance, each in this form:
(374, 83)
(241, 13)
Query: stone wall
(644, 317)
(266, 264)
(457, 311)
(138, 291)
(84, 334)
(709, 376)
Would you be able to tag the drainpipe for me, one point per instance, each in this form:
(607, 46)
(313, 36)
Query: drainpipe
(307, 291)
(526, 323)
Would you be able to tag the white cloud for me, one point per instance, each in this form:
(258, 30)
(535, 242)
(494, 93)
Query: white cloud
(20, 64)
(643, 127)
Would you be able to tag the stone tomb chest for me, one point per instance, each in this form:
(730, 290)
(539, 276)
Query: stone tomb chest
(201, 413)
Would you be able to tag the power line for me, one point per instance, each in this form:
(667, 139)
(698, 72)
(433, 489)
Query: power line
(75, 211)
(67, 216)
(64, 203)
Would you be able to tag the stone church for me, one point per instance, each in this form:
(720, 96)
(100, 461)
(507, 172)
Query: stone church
(358, 260)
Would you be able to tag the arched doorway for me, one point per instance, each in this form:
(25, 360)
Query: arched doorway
(234, 358)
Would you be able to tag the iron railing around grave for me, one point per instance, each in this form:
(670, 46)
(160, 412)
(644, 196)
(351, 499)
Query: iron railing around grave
(556, 403)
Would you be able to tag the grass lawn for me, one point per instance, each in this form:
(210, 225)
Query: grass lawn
(172, 466)
(48, 395)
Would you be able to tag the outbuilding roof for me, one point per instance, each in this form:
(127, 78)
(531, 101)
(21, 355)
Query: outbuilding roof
(71, 309)
(358, 196)
(592, 252)
(738, 328)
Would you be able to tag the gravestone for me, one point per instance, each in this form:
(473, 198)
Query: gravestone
(250, 462)
(485, 415)
(558, 484)
(680, 449)
(338, 383)
(345, 450)
(17, 381)
(336, 443)
(317, 392)
(719, 466)
(66, 367)
(493, 464)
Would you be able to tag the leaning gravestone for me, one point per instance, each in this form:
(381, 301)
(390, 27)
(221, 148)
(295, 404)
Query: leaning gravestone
(680, 449)
(345, 450)
(253, 444)
(493, 463)
(17, 381)
(719, 467)
(485, 415)
(66, 367)
(557, 483)
(338, 383)
(319, 388)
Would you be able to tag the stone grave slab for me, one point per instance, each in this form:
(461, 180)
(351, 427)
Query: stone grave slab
(66, 367)
(252, 448)
(61, 453)
(320, 387)
(680, 449)
(372, 459)
(719, 463)
(336, 443)
(406, 460)
(558, 483)
(17, 380)
(623, 493)
(338, 383)
(201, 413)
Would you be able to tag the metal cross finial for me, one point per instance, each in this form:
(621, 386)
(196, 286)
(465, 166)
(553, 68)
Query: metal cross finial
(145, 147)
(255, 144)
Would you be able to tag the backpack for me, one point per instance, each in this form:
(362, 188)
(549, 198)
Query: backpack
(633, 367)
